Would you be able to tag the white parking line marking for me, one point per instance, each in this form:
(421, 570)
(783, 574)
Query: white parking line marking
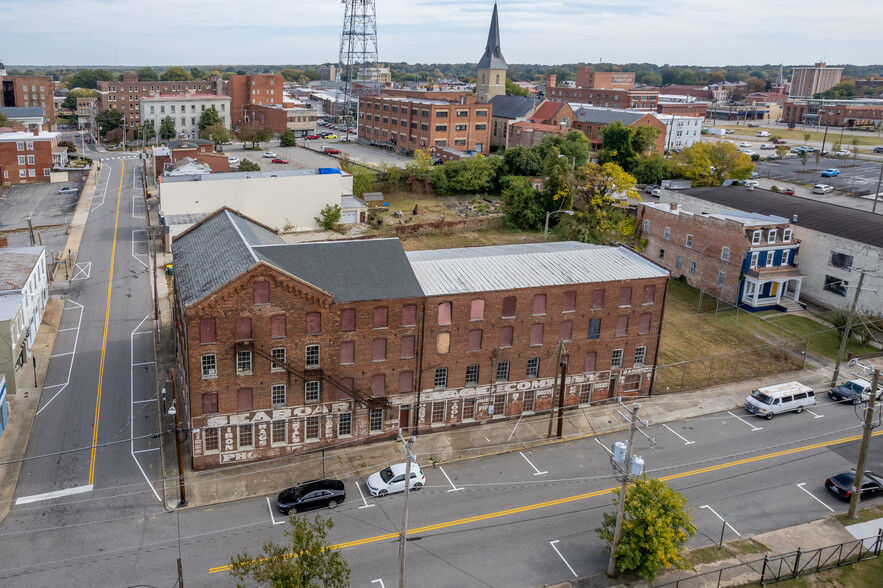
(815, 416)
(272, 518)
(62, 354)
(679, 437)
(378, 580)
(143, 401)
(753, 428)
(135, 255)
(54, 494)
(146, 450)
(515, 428)
(359, 488)
(814, 498)
(63, 330)
(82, 271)
(449, 480)
(552, 543)
(538, 472)
(132, 405)
(144, 362)
(73, 357)
(722, 519)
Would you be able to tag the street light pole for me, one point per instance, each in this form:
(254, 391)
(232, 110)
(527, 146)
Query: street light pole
(551, 214)
(848, 328)
(403, 539)
(855, 498)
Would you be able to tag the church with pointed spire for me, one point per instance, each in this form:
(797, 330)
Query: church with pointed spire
(492, 65)
(781, 86)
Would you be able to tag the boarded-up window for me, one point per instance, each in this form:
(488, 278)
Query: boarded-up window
(589, 365)
(262, 292)
(597, 299)
(244, 399)
(210, 403)
(569, 303)
(378, 350)
(625, 296)
(443, 343)
(380, 317)
(243, 329)
(594, 328)
(346, 388)
(314, 323)
(348, 319)
(644, 324)
(408, 346)
(406, 382)
(477, 311)
(347, 352)
(622, 326)
(444, 313)
(207, 330)
(277, 326)
(566, 331)
(539, 304)
(509, 306)
(506, 336)
(649, 294)
(378, 385)
(536, 334)
(475, 340)
(409, 315)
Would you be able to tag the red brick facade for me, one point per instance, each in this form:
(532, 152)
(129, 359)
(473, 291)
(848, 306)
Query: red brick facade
(26, 157)
(254, 90)
(24, 91)
(696, 109)
(834, 115)
(594, 131)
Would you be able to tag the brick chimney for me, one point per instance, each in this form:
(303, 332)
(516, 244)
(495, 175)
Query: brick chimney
(551, 82)
(35, 129)
(673, 205)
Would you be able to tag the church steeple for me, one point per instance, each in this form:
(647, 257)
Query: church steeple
(492, 66)
(780, 79)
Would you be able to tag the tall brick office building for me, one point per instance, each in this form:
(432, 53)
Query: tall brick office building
(286, 348)
(29, 91)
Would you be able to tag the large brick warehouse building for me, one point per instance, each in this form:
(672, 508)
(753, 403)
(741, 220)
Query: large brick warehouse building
(291, 347)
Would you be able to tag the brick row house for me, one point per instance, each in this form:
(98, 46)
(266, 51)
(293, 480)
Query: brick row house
(746, 259)
(29, 92)
(286, 348)
(30, 156)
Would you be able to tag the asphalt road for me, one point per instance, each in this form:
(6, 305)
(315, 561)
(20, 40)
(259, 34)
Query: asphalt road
(518, 519)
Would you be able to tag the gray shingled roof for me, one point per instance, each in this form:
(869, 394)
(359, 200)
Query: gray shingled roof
(370, 269)
(493, 56)
(507, 267)
(214, 252)
(848, 223)
(17, 112)
(512, 106)
(605, 116)
(179, 143)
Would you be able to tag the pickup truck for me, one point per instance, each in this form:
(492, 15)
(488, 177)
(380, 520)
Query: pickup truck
(779, 141)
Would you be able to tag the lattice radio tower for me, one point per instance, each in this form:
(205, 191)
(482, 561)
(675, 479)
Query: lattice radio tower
(358, 49)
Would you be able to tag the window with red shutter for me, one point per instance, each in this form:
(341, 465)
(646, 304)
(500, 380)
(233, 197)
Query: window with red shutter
(378, 385)
(380, 317)
(475, 340)
(539, 304)
(277, 326)
(506, 336)
(408, 346)
(597, 299)
(409, 315)
(622, 326)
(210, 403)
(444, 313)
(569, 303)
(243, 329)
(378, 350)
(262, 292)
(566, 331)
(649, 294)
(244, 399)
(406, 382)
(625, 296)
(509, 303)
(347, 352)
(644, 324)
(314, 323)
(207, 330)
(348, 319)
(589, 365)
(476, 313)
(536, 334)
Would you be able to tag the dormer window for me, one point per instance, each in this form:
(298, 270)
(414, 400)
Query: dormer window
(786, 235)
(771, 236)
(755, 237)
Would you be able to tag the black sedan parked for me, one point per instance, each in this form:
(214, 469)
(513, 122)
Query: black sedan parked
(310, 495)
(841, 485)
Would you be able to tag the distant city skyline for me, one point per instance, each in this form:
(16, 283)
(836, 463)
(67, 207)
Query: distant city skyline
(679, 32)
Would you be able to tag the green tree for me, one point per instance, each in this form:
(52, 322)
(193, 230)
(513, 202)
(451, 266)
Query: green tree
(114, 135)
(198, 74)
(108, 120)
(89, 78)
(513, 89)
(806, 137)
(472, 175)
(217, 134)
(248, 165)
(209, 117)
(709, 164)
(655, 529)
(597, 216)
(147, 74)
(802, 156)
(167, 129)
(329, 217)
(523, 207)
(781, 151)
(651, 79)
(623, 145)
(145, 132)
(254, 135)
(306, 560)
(854, 143)
(287, 139)
(417, 171)
(651, 170)
(4, 122)
(363, 177)
(842, 91)
(176, 74)
(521, 161)
(575, 146)
(70, 101)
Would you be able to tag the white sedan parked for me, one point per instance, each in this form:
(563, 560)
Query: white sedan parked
(392, 479)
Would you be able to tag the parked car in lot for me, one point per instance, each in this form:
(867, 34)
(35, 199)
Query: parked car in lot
(811, 149)
(330, 150)
(841, 485)
(269, 154)
(831, 172)
(391, 479)
(650, 187)
(779, 141)
(854, 391)
(656, 191)
(747, 152)
(822, 189)
(771, 400)
(842, 153)
(753, 124)
(310, 495)
(278, 160)
(331, 136)
(233, 160)
(767, 146)
(771, 156)
(750, 183)
(311, 137)
(878, 149)
(763, 133)
(788, 191)
(798, 150)
(744, 144)
(69, 190)
(729, 131)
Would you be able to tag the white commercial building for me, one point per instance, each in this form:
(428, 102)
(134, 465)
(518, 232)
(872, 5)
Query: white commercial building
(185, 111)
(681, 131)
(24, 292)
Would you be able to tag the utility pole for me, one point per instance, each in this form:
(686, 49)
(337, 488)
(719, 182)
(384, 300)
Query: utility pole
(31, 231)
(182, 491)
(877, 193)
(403, 540)
(563, 366)
(845, 337)
(870, 425)
(554, 389)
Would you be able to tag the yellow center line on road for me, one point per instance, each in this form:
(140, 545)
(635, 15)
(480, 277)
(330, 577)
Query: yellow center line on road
(113, 250)
(530, 507)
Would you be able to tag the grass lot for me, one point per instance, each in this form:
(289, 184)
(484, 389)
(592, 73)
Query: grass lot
(867, 574)
(711, 554)
(795, 137)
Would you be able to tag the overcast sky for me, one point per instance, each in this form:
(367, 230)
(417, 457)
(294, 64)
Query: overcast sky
(191, 32)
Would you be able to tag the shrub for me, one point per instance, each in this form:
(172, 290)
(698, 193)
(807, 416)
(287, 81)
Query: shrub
(329, 217)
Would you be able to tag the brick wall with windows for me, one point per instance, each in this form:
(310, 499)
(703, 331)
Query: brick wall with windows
(26, 158)
(28, 91)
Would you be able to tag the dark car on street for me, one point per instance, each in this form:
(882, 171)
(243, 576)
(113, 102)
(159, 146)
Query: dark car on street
(310, 495)
(841, 485)
(855, 391)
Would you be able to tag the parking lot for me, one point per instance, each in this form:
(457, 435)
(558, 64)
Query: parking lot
(49, 211)
(855, 175)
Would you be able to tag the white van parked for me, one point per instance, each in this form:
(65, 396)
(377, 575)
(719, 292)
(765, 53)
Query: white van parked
(763, 133)
(771, 400)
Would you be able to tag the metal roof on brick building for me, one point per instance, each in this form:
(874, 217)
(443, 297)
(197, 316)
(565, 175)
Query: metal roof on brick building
(16, 265)
(512, 106)
(604, 116)
(508, 267)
